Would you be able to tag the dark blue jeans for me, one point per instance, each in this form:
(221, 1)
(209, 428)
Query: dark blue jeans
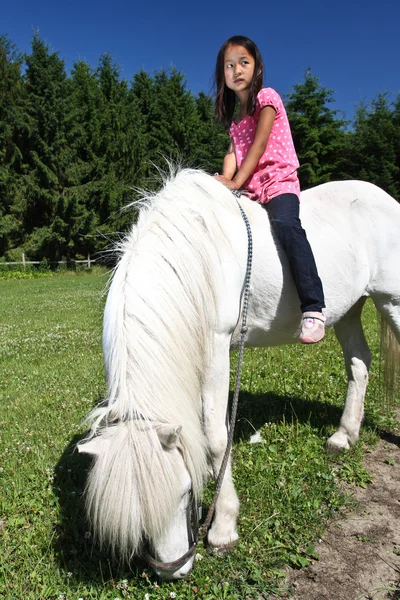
(283, 212)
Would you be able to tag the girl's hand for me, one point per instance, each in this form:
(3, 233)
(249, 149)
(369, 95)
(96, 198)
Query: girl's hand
(229, 183)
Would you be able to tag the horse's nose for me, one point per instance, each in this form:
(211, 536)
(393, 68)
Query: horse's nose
(185, 570)
(179, 574)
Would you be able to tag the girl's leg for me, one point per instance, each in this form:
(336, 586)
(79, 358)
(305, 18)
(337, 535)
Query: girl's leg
(283, 212)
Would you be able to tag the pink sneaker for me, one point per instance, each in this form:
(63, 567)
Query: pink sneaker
(313, 327)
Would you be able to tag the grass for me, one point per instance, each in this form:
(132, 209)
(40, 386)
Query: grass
(52, 373)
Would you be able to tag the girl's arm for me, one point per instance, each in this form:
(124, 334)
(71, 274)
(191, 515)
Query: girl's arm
(256, 150)
(229, 166)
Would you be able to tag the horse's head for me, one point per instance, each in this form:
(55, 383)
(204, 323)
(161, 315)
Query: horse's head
(139, 495)
(173, 550)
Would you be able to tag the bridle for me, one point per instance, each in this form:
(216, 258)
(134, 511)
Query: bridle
(192, 509)
(192, 524)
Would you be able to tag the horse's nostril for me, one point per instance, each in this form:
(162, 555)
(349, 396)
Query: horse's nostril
(181, 574)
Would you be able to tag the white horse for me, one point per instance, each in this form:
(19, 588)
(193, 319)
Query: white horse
(171, 317)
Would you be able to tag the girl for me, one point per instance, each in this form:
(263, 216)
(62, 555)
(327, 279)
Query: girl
(261, 161)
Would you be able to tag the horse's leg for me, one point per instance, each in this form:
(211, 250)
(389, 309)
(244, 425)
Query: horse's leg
(390, 309)
(222, 533)
(357, 358)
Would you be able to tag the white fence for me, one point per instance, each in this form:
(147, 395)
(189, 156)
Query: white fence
(85, 262)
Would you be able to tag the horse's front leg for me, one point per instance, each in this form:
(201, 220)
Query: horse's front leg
(222, 534)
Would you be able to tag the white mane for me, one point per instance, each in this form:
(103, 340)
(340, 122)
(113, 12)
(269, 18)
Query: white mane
(158, 321)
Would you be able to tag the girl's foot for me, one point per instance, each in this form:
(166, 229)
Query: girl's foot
(313, 327)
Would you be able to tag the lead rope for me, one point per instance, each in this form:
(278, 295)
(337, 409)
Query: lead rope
(206, 525)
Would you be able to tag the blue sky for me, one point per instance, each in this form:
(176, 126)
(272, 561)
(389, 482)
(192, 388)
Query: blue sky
(352, 47)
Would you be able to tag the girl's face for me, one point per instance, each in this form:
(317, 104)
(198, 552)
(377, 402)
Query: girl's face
(238, 69)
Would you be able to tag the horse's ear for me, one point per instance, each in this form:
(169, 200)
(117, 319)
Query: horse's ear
(169, 435)
(93, 446)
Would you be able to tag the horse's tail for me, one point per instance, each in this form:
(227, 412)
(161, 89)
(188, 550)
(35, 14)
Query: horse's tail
(390, 365)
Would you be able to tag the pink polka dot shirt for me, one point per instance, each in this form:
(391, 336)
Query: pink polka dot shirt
(276, 171)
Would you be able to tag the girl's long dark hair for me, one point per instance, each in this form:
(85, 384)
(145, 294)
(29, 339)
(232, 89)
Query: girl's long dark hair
(225, 100)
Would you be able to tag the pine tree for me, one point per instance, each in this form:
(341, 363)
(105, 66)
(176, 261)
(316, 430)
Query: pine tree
(121, 149)
(396, 142)
(212, 139)
(46, 205)
(14, 129)
(83, 136)
(171, 120)
(174, 118)
(372, 150)
(318, 134)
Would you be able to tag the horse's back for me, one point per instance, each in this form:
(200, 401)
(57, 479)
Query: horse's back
(353, 228)
(360, 223)
(358, 200)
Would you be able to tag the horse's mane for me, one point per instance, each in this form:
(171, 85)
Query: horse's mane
(158, 323)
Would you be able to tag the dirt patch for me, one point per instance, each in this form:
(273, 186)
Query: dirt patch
(359, 556)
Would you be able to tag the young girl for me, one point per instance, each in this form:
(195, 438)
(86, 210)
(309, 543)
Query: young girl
(261, 161)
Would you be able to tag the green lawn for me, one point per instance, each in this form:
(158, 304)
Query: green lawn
(51, 373)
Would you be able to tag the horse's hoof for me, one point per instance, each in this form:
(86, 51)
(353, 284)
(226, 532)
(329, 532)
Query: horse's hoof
(338, 442)
(220, 550)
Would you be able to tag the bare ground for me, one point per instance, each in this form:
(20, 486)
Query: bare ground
(359, 556)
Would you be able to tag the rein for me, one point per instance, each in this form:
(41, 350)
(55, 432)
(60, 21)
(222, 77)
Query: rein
(206, 525)
(194, 532)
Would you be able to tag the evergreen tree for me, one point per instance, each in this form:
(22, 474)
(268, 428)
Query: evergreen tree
(372, 151)
(83, 137)
(174, 118)
(46, 179)
(14, 129)
(121, 151)
(318, 135)
(212, 139)
(172, 123)
(396, 142)
(143, 90)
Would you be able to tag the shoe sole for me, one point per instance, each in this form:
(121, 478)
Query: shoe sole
(309, 340)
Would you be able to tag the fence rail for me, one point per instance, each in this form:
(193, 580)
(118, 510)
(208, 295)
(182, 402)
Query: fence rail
(88, 261)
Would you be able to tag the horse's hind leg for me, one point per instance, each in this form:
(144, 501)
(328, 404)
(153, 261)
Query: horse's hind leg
(389, 307)
(357, 358)
(222, 533)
